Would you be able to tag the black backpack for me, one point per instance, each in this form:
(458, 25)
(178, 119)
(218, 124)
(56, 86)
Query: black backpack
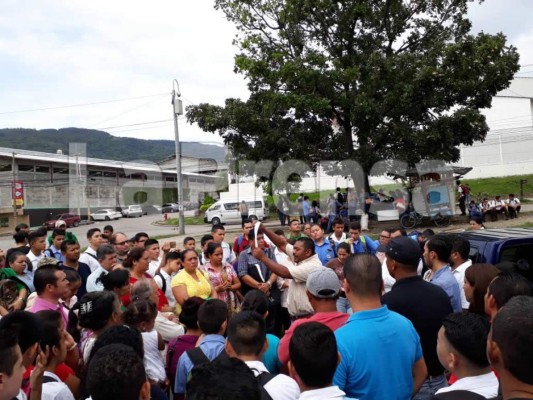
(198, 357)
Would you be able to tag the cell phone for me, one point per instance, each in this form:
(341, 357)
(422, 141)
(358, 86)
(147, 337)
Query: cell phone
(172, 245)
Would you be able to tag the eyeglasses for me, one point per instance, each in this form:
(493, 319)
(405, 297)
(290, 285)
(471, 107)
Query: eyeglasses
(384, 237)
(121, 243)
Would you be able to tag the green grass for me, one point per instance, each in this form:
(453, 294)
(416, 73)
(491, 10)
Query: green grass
(500, 186)
(188, 221)
(489, 187)
(526, 225)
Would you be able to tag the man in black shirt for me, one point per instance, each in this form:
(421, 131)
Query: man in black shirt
(423, 303)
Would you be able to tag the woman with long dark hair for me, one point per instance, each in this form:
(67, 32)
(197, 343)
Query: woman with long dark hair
(477, 280)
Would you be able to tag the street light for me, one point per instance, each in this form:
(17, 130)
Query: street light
(177, 109)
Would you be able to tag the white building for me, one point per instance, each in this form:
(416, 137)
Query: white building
(508, 147)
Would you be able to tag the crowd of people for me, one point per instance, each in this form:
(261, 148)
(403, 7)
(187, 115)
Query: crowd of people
(348, 206)
(273, 315)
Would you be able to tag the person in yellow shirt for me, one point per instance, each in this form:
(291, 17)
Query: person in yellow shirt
(191, 281)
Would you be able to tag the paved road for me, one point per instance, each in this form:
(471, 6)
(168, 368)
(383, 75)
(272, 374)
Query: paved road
(130, 226)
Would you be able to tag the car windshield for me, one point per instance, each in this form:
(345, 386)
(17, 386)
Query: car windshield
(58, 216)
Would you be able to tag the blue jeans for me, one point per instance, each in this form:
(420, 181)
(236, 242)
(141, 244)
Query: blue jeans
(331, 218)
(430, 387)
(343, 305)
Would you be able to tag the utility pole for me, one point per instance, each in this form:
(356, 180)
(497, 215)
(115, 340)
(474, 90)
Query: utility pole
(177, 109)
(78, 185)
(13, 197)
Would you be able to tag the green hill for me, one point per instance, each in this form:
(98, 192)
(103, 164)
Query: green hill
(102, 145)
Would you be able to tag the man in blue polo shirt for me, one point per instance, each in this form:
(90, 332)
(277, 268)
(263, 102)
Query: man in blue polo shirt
(360, 243)
(323, 248)
(381, 355)
(437, 251)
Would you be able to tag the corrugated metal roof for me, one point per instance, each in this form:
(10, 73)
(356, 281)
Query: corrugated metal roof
(149, 166)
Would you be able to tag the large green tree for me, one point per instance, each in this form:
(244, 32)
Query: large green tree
(365, 80)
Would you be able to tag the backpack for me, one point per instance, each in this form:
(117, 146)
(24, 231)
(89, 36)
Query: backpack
(163, 282)
(263, 378)
(363, 242)
(198, 357)
(458, 394)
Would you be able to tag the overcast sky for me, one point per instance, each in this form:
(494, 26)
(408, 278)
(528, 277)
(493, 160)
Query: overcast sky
(66, 53)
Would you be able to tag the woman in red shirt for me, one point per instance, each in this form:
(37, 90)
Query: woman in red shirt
(137, 262)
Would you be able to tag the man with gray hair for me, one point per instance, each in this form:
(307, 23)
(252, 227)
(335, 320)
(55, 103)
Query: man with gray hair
(107, 259)
(165, 323)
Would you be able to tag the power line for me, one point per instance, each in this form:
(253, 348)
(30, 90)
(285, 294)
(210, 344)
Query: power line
(137, 124)
(82, 104)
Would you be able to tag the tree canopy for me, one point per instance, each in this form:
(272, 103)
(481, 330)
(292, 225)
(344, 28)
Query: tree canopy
(363, 80)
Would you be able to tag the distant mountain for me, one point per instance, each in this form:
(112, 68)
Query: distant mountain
(103, 145)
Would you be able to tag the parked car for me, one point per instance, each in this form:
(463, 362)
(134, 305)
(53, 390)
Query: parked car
(134, 210)
(151, 209)
(169, 208)
(494, 246)
(227, 211)
(105, 214)
(70, 220)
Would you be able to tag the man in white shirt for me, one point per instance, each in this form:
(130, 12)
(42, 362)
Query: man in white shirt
(107, 259)
(94, 237)
(219, 232)
(304, 259)
(54, 337)
(338, 236)
(462, 349)
(247, 341)
(459, 262)
(163, 278)
(314, 359)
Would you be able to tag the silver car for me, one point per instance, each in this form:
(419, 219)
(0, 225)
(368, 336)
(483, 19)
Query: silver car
(134, 210)
(105, 214)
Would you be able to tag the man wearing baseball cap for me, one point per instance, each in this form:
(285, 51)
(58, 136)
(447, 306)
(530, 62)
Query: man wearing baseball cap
(323, 288)
(424, 304)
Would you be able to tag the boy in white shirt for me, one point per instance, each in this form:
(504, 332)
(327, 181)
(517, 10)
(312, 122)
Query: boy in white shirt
(461, 348)
(314, 359)
(55, 337)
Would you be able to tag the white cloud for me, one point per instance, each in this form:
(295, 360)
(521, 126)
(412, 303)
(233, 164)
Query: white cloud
(63, 52)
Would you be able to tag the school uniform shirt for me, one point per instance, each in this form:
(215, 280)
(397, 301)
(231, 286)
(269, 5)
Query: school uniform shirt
(212, 346)
(153, 362)
(280, 387)
(485, 385)
(89, 257)
(168, 285)
(228, 256)
(325, 252)
(333, 238)
(34, 260)
(153, 266)
(327, 393)
(55, 390)
(459, 275)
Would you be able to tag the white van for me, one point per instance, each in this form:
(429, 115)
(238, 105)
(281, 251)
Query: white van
(227, 211)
